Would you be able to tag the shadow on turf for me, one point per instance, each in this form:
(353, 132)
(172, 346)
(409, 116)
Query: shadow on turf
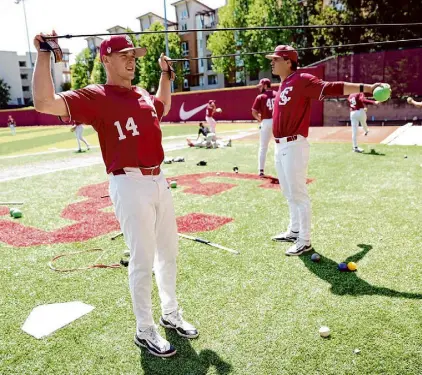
(186, 360)
(373, 152)
(349, 283)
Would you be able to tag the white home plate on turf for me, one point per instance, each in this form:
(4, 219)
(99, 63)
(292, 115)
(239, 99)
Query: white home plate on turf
(45, 319)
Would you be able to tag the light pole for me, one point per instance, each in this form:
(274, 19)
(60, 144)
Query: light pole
(27, 33)
(167, 38)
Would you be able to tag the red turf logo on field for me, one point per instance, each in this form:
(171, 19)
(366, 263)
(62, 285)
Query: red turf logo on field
(91, 221)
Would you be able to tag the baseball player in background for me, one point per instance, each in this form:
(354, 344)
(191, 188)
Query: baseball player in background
(412, 101)
(11, 123)
(78, 128)
(209, 140)
(358, 109)
(209, 115)
(291, 121)
(262, 111)
(127, 120)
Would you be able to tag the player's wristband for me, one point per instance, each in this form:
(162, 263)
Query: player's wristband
(361, 87)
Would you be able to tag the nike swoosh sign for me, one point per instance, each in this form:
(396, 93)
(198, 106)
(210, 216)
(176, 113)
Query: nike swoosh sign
(185, 115)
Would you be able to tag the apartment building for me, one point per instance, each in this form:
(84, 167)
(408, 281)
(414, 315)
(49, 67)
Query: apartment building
(16, 70)
(147, 19)
(192, 14)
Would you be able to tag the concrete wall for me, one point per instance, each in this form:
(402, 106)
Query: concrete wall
(10, 73)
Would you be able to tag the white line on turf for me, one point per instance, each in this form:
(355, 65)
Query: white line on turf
(18, 172)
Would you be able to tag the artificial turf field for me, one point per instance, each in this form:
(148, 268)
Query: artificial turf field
(258, 312)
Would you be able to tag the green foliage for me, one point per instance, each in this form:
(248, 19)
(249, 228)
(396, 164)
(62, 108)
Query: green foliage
(81, 70)
(98, 74)
(4, 93)
(149, 70)
(364, 12)
(233, 14)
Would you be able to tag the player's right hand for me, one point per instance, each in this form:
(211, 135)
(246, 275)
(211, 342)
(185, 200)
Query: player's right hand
(39, 38)
(409, 100)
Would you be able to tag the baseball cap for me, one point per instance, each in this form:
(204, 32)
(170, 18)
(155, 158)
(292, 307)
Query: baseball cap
(264, 81)
(284, 51)
(120, 43)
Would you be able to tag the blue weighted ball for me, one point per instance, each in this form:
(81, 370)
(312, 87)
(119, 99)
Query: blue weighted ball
(342, 267)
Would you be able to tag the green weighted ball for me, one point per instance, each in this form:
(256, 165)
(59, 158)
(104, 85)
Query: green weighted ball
(382, 93)
(17, 213)
(173, 184)
(11, 210)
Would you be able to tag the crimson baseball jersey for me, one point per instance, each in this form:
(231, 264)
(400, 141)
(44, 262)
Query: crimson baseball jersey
(292, 106)
(358, 101)
(264, 104)
(210, 110)
(127, 123)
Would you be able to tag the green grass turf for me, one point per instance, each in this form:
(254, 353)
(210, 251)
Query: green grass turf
(258, 313)
(45, 138)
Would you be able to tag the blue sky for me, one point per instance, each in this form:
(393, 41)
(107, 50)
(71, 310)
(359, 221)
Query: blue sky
(74, 17)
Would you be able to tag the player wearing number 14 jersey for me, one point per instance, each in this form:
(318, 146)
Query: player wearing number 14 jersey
(127, 120)
(262, 111)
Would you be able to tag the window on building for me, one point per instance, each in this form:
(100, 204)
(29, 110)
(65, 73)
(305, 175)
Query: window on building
(201, 81)
(212, 80)
(209, 63)
(185, 48)
(254, 76)
(25, 88)
(183, 26)
(22, 64)
(185, 83)
(202, 63)
(184, 14)
(186, 67)
(24, 76)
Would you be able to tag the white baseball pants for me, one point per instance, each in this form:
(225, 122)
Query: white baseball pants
(357, 117)
(211, 123)
(12, 129)
(291, 162)
(79, 137)
(265, 134)
(145, 211)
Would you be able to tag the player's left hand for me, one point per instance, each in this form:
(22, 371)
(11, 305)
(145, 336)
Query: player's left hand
(410, 100)
(166, 65)
(375, 85)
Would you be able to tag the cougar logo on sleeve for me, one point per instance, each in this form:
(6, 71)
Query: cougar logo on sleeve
(284, 98)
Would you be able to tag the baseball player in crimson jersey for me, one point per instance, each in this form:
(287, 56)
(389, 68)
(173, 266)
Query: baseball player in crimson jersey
(291, 121)
(262, 111)
(209, 115)
(358, 115)
(127, 120)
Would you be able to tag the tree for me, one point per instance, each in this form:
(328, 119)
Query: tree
(269, 13)
(81, 70)
(365, 12)
(4, 93)
(98, 74)
(149, 71)
(229, 42)
(248, 13)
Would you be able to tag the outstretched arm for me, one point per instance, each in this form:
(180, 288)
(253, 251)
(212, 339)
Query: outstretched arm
(164, 87)
(416, 104)
(44, 97)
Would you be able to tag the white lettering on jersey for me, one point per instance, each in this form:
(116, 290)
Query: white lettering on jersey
(270, 104)
(284, 98)
(353, 102)
(130, 126)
